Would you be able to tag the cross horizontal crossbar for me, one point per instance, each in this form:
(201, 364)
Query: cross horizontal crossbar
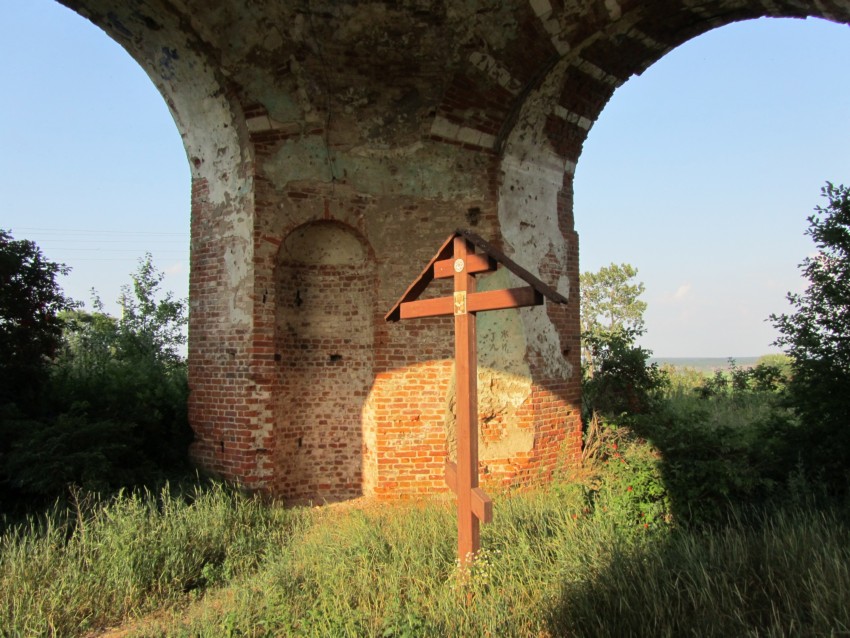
(474, 264)
(482, 506)
(475, 302)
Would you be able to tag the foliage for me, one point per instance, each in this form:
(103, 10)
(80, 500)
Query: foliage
(764, 377)
(699, 444)
(151, 322)
(112, 412)
(610, 306)
(617, 378)
(775, 574)
(817, 337)
(215, 563)
(87, 566)
(30, 328)
(624, 382)
(629, 484)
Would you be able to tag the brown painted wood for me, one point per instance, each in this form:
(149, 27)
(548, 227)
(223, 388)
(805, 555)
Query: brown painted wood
(441, 306)
(427, 275)
(475, 302)
(546, 290)
(422, 281)
(457, 258)
(474, 264)
(482, 505)
(466, 381)
(502, 299)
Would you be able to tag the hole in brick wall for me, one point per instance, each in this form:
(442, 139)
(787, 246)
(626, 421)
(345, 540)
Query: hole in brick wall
(473, 215)
(221, 444)
(335, 357)
(277, 356)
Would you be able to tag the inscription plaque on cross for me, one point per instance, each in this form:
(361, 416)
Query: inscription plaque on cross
(458, 259)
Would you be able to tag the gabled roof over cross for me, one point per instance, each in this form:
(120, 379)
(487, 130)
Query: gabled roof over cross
(487, 260)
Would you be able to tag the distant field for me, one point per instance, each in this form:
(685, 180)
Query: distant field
(705, 364)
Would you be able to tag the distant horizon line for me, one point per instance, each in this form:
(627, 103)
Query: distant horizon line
(726, 358)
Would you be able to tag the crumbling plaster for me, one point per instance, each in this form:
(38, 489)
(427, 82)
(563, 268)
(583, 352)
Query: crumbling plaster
(400, 121)
(208, 118)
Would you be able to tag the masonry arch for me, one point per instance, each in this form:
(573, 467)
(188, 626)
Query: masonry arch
(738, 129)
(542, 148)
(325, 288)
(404, 121)
(212, 126)
(541, 151)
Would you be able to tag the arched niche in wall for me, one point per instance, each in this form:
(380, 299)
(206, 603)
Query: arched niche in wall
(324, 327)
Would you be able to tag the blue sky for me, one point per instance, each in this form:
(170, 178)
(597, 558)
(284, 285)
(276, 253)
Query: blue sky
(700, 172)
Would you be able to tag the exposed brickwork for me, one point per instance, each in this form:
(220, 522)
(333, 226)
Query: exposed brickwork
(325, 353)
(379, 128)
(222, 405)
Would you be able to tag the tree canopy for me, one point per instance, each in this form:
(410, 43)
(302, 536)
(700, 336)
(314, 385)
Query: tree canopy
(817, 337)
(610, 309)
(610, 300)
(30, 302)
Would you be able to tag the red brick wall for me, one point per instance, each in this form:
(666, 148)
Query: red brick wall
(325, 343)
(229, 437)
(297, 407)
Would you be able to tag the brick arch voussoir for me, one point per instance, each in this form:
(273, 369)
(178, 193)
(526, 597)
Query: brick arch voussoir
(593, 70)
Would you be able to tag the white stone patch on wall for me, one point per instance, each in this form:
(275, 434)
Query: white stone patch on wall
(615, 11)
(541, 8)
(572, 118)
(528, 215)
(495, 71)
(237, 260)
(323, 243)
(597, 73)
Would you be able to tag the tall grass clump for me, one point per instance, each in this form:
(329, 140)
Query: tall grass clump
(392, 571)
(773, 574)
(101, 561)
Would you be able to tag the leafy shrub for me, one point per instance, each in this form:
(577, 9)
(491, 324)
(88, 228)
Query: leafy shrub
(112, 411)
(623, 381)
(816, 335)
(630, 486)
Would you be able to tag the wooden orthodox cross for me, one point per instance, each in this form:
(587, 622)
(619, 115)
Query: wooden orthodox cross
(457, 258)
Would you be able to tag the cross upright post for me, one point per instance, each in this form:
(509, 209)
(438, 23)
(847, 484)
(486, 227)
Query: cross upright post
(466, 380)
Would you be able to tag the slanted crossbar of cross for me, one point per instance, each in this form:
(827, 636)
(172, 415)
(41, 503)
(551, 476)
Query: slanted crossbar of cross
(457, 259)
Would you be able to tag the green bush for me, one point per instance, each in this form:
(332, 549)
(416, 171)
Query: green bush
(816, 336)
(112, 411)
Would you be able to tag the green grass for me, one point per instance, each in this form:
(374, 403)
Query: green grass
(555, 563)
(100, 562)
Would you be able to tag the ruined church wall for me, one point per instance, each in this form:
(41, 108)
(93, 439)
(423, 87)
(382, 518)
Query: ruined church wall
(396, 409)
